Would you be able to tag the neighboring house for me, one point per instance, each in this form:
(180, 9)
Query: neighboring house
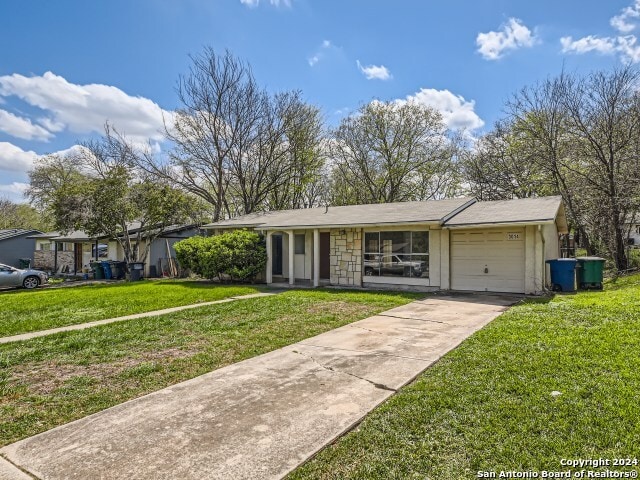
(162, 248)
(73, 252)
(634, 231)
(452, 244)
(16, 243)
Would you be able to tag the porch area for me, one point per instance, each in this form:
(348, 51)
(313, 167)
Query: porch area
(314, 257)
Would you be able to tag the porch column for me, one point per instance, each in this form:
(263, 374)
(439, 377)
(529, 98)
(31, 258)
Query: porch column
(269, 277)
(292, 246)
(55, 257)
(316, 257)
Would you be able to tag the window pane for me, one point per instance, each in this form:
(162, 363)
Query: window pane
(397, 254)
(371, 264)
(419, 266)
(395, 242)
(420, 242)
(299, 244)
(371, 241)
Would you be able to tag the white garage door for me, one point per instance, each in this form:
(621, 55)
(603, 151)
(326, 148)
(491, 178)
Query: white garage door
(488, 260)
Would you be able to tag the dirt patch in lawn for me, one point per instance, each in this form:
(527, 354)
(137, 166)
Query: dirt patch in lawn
(339, 307)
(46, 377)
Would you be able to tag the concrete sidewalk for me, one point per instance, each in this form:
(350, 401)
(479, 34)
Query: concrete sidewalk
(154, 313)
(262, 417)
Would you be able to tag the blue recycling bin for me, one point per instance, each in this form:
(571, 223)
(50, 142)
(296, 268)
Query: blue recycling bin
(106, 266)
(563, 274)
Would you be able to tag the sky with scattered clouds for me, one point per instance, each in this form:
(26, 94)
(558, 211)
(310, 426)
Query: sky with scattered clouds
(68, 67)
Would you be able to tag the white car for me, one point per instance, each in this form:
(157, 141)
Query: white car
(393, 265)
(15, 277)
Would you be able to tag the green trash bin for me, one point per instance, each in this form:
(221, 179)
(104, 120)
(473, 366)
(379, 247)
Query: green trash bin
(590, 272)
(25, 263)
(98, 271)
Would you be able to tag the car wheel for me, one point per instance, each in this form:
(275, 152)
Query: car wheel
(416, 272)
(368, 271)
(31, 282)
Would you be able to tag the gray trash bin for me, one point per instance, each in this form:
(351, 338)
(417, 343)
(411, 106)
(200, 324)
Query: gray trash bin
(136, 271)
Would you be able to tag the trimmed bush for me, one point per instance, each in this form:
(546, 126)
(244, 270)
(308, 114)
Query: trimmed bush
(240, 255)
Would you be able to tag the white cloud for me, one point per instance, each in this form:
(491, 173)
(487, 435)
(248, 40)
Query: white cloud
(625, 46)
(320, 53)
(457, 112)
(625, 22)
(14, 191)
(20, 127)
(513, 35)
(275, 3)
(589, 43)
(14, 187)
(86, 108)
(374, 72)
(14, 159)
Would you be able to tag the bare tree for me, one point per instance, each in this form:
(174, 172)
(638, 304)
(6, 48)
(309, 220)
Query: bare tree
(497, 167)
(576, 136)
(235, 146)
(303, 176)
(391, 152)
(604, 121)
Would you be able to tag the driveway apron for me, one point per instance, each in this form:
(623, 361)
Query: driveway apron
(264, 416)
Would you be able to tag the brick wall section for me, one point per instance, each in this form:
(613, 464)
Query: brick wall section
(346, 256)
(44, 259)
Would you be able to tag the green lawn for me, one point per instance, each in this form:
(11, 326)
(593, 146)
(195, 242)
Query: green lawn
(52, 380)
(488, 405)
(29, 311)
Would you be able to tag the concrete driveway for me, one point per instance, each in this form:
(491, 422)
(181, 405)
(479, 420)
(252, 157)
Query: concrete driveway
(262, 417)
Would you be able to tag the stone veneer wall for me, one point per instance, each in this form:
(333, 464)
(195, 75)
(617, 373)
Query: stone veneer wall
(44, 259)
(346, 256)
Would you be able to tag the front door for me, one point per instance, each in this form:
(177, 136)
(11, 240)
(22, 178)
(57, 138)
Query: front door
(276, 254)
(299, 260)
(325, 255)
(77, 253)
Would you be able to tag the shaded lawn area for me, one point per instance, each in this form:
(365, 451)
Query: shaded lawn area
(487, 406)
(29, 311)
(48, 381)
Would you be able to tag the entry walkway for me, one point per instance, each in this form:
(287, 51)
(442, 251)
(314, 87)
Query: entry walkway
(260, 418)
(154, 313)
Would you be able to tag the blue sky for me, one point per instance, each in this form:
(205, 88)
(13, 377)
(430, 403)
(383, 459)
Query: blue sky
(67, 67)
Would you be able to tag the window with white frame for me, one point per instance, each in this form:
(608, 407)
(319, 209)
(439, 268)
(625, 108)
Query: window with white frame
(299, 244)
(396, 254)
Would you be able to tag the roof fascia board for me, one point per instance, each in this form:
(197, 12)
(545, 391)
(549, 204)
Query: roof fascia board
(499, 224)
(348, 225)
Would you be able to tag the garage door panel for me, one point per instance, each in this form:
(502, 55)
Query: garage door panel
(500, 251)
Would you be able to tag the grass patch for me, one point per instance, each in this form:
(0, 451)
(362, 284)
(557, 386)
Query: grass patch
(487, 406)
(22, 311)
(48, 381)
